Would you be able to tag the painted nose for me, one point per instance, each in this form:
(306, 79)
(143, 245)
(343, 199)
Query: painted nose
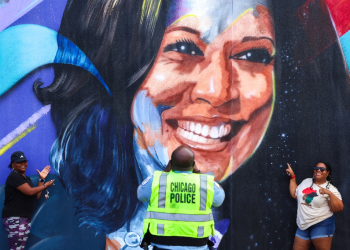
(217, 81)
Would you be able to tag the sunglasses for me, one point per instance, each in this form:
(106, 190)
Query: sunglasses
(319, 168)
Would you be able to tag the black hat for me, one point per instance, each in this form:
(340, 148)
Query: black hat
(18, 156)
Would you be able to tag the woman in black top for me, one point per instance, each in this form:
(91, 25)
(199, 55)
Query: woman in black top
(20, 196)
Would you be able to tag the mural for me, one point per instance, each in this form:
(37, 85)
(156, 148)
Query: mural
(106, 90)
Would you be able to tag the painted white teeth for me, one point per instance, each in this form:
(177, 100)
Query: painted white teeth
(227, 129)
(196, 138)
(214, 132)
(190, 136)
(201, 139)
(221, 131)
(205, 131)
(198, 128)
(186, 134)
(192, 126)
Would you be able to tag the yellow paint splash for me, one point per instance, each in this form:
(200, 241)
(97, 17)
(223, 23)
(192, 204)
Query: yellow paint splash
(16, 139)
(183, 17)
(150, 13)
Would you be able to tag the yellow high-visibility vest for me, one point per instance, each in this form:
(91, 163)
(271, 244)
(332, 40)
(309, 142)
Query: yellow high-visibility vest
(180, 205)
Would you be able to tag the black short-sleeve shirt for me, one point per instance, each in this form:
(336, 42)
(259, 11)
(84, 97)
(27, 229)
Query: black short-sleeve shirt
(16, 202)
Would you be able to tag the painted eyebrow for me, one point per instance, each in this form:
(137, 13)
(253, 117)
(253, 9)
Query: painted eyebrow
(254, 38)
(190, 30)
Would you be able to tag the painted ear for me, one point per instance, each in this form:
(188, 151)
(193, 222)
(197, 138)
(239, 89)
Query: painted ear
(27, 47)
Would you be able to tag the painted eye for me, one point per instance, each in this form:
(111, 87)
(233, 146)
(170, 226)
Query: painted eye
(185, 46)
(254, 55)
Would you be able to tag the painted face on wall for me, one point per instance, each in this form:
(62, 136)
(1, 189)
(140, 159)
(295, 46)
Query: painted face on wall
(211, 86)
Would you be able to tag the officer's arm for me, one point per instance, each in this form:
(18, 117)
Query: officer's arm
(219, 195)
(145, 189)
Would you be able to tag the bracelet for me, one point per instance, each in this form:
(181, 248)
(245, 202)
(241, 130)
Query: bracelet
(292, 177)
(45, 186)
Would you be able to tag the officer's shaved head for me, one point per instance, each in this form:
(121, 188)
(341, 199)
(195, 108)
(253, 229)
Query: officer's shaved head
(182, 158)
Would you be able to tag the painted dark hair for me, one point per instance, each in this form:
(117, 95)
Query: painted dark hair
(122, 39)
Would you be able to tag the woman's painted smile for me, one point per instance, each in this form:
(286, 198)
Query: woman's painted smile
(203, 130)
(211, 135)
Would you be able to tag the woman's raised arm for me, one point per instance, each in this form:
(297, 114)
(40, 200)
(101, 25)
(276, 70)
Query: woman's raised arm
(292, 183)
(28, 190)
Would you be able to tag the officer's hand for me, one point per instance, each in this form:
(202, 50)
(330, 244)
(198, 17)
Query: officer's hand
(195, 169)
(168, 167)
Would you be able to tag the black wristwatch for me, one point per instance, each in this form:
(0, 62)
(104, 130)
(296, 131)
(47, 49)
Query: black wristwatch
(42, 180)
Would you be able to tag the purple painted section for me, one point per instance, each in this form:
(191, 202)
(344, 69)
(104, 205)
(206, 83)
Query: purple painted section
(48, 13)
(15, 9)
(20, 103)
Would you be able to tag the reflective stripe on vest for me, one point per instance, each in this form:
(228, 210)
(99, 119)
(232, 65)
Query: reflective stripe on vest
(162, 190)
(179, 217)
(200, 231)
(203, 192)
(160, 229)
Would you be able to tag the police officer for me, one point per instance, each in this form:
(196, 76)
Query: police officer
(179, 213)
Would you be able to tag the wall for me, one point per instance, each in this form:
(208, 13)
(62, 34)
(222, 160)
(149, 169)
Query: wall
(104, 91)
